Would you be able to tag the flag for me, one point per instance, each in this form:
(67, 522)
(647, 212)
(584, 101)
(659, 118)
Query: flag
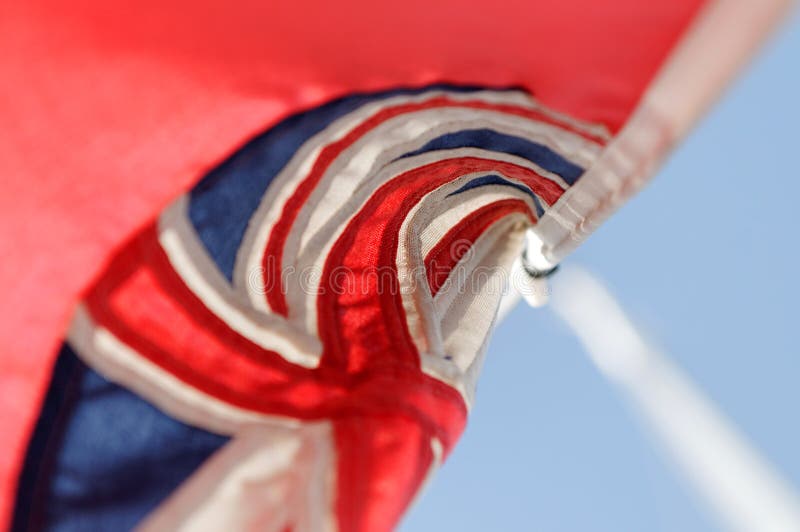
(254, 252)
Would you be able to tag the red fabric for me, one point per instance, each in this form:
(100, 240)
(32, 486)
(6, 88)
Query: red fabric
(443, 257)
(140, 287)
(108, 112)
(369, 374)
(273, 254)
(366, 323)
(370, 501)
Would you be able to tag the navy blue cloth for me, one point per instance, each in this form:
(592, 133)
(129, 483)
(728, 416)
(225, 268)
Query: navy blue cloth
(101, 458)
(488, 139)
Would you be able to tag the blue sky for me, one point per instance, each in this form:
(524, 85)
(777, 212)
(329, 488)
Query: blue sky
(706, 261)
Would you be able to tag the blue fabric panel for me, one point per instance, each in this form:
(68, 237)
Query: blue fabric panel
(101, 458)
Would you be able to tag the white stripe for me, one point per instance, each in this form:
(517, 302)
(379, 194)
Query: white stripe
(453, 209)
(189, 258)
(410, 132)
(267, 479)
(117, 362)
(469, 316)
(720, 40)
(285, 183)
(349, 172)
(420, 231)
(303, 303)
(453, 354)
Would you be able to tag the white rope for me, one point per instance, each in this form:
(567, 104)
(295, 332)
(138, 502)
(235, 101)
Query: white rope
(744, 491)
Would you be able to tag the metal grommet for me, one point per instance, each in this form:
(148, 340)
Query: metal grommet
(536, 273)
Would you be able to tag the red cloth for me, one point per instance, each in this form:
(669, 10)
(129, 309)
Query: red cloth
(108, 112)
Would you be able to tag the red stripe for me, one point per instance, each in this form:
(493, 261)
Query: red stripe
(371, 325)
(143, 302)
(448, 251)
(381, 464)
(390, 415)
(272, 261)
